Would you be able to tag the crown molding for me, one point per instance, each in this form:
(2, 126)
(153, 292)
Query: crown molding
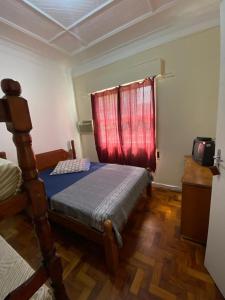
(33, 35)
(25, 53)
(66, 28)
(142, 44)
(135, 21)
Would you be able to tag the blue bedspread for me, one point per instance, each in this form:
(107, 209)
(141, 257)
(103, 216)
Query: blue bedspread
(57, 183)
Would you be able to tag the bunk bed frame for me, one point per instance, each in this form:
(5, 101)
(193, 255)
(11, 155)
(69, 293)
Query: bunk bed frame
(14, 112)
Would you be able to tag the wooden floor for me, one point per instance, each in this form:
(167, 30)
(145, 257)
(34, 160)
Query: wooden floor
(155, 262)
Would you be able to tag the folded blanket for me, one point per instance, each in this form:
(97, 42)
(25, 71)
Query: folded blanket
(10, 179)
(14, 270)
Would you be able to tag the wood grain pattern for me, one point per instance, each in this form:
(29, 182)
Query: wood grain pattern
(196, 198)
(155, 263)
(137, 282)
(50, 159)
(196, 174)
(15, 112)
(13, 205)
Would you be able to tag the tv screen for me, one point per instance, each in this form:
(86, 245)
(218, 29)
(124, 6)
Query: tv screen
(203, 151)
(199, 150)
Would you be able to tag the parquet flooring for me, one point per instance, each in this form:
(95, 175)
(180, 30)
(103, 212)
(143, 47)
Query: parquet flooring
(155, 262)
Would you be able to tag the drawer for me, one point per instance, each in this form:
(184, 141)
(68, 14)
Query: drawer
(195, 212)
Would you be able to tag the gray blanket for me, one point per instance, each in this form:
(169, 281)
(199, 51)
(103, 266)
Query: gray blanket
(110, 192)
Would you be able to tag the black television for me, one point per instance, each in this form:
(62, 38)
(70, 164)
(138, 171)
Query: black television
(203, 151)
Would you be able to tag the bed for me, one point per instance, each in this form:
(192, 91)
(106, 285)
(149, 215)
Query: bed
(95, 203)
(18, 281)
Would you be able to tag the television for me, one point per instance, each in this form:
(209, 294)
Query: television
(203, 151)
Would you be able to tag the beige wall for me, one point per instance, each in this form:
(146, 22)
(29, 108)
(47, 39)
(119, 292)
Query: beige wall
(187, 102)
(48, 87)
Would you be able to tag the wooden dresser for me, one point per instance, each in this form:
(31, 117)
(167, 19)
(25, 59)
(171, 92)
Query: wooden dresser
(196, 197)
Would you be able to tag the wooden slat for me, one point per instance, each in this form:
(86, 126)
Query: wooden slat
(30, 286)
(161, 293)
(136, 284)
(155, 263)
(73, 149)
(14, 205)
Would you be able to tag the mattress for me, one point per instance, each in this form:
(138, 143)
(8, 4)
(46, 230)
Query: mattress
(10, 179)
(14, 270)
(109, 191)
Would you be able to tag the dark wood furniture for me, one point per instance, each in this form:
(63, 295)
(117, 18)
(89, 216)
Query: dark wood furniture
(196, 197)
(15, 113)
(106, 238)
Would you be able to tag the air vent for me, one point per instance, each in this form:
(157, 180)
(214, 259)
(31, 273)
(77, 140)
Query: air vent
(85, 126)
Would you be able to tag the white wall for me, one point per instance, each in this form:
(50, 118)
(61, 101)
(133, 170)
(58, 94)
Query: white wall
(187, 102)
(215, 249)
(47, 86)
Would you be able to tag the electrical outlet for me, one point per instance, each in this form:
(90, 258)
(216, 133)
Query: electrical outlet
(157, 154)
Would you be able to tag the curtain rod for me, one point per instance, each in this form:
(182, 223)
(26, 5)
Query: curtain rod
(116, 86)
(158, 76)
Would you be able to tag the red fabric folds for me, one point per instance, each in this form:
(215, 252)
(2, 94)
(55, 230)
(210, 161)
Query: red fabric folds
(106, 127)
(124, 124)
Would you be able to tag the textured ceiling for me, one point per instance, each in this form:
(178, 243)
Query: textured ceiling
(74, 27)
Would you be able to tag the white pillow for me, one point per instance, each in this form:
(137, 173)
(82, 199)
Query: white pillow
(71, 166)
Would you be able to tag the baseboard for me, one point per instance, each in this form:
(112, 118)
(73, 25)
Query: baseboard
(167, 186)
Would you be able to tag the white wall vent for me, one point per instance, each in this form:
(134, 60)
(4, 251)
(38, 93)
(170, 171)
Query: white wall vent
(85, 126)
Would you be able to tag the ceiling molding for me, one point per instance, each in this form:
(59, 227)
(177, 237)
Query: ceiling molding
(66, 28)
(44, 14)
(140, 45)
(24, 53)
(92, 13)
(127, 25)
(32, 35)
(90, 34)
(22, 41)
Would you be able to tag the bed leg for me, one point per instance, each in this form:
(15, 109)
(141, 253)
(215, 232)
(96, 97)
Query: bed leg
(149, 190)
(111, 248)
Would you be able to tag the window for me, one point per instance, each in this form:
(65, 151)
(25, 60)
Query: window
(124, 124)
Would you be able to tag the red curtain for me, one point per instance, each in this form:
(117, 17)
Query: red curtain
(124, 124)
(106, 127)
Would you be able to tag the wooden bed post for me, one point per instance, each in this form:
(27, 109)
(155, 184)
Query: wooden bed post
(110, 247)
(149, 190)
(19, 124)
(73, 149)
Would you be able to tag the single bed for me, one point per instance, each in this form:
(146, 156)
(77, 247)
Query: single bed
(94, 203)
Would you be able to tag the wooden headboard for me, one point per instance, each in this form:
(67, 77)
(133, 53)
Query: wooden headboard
(50, 159)
(47, 159)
